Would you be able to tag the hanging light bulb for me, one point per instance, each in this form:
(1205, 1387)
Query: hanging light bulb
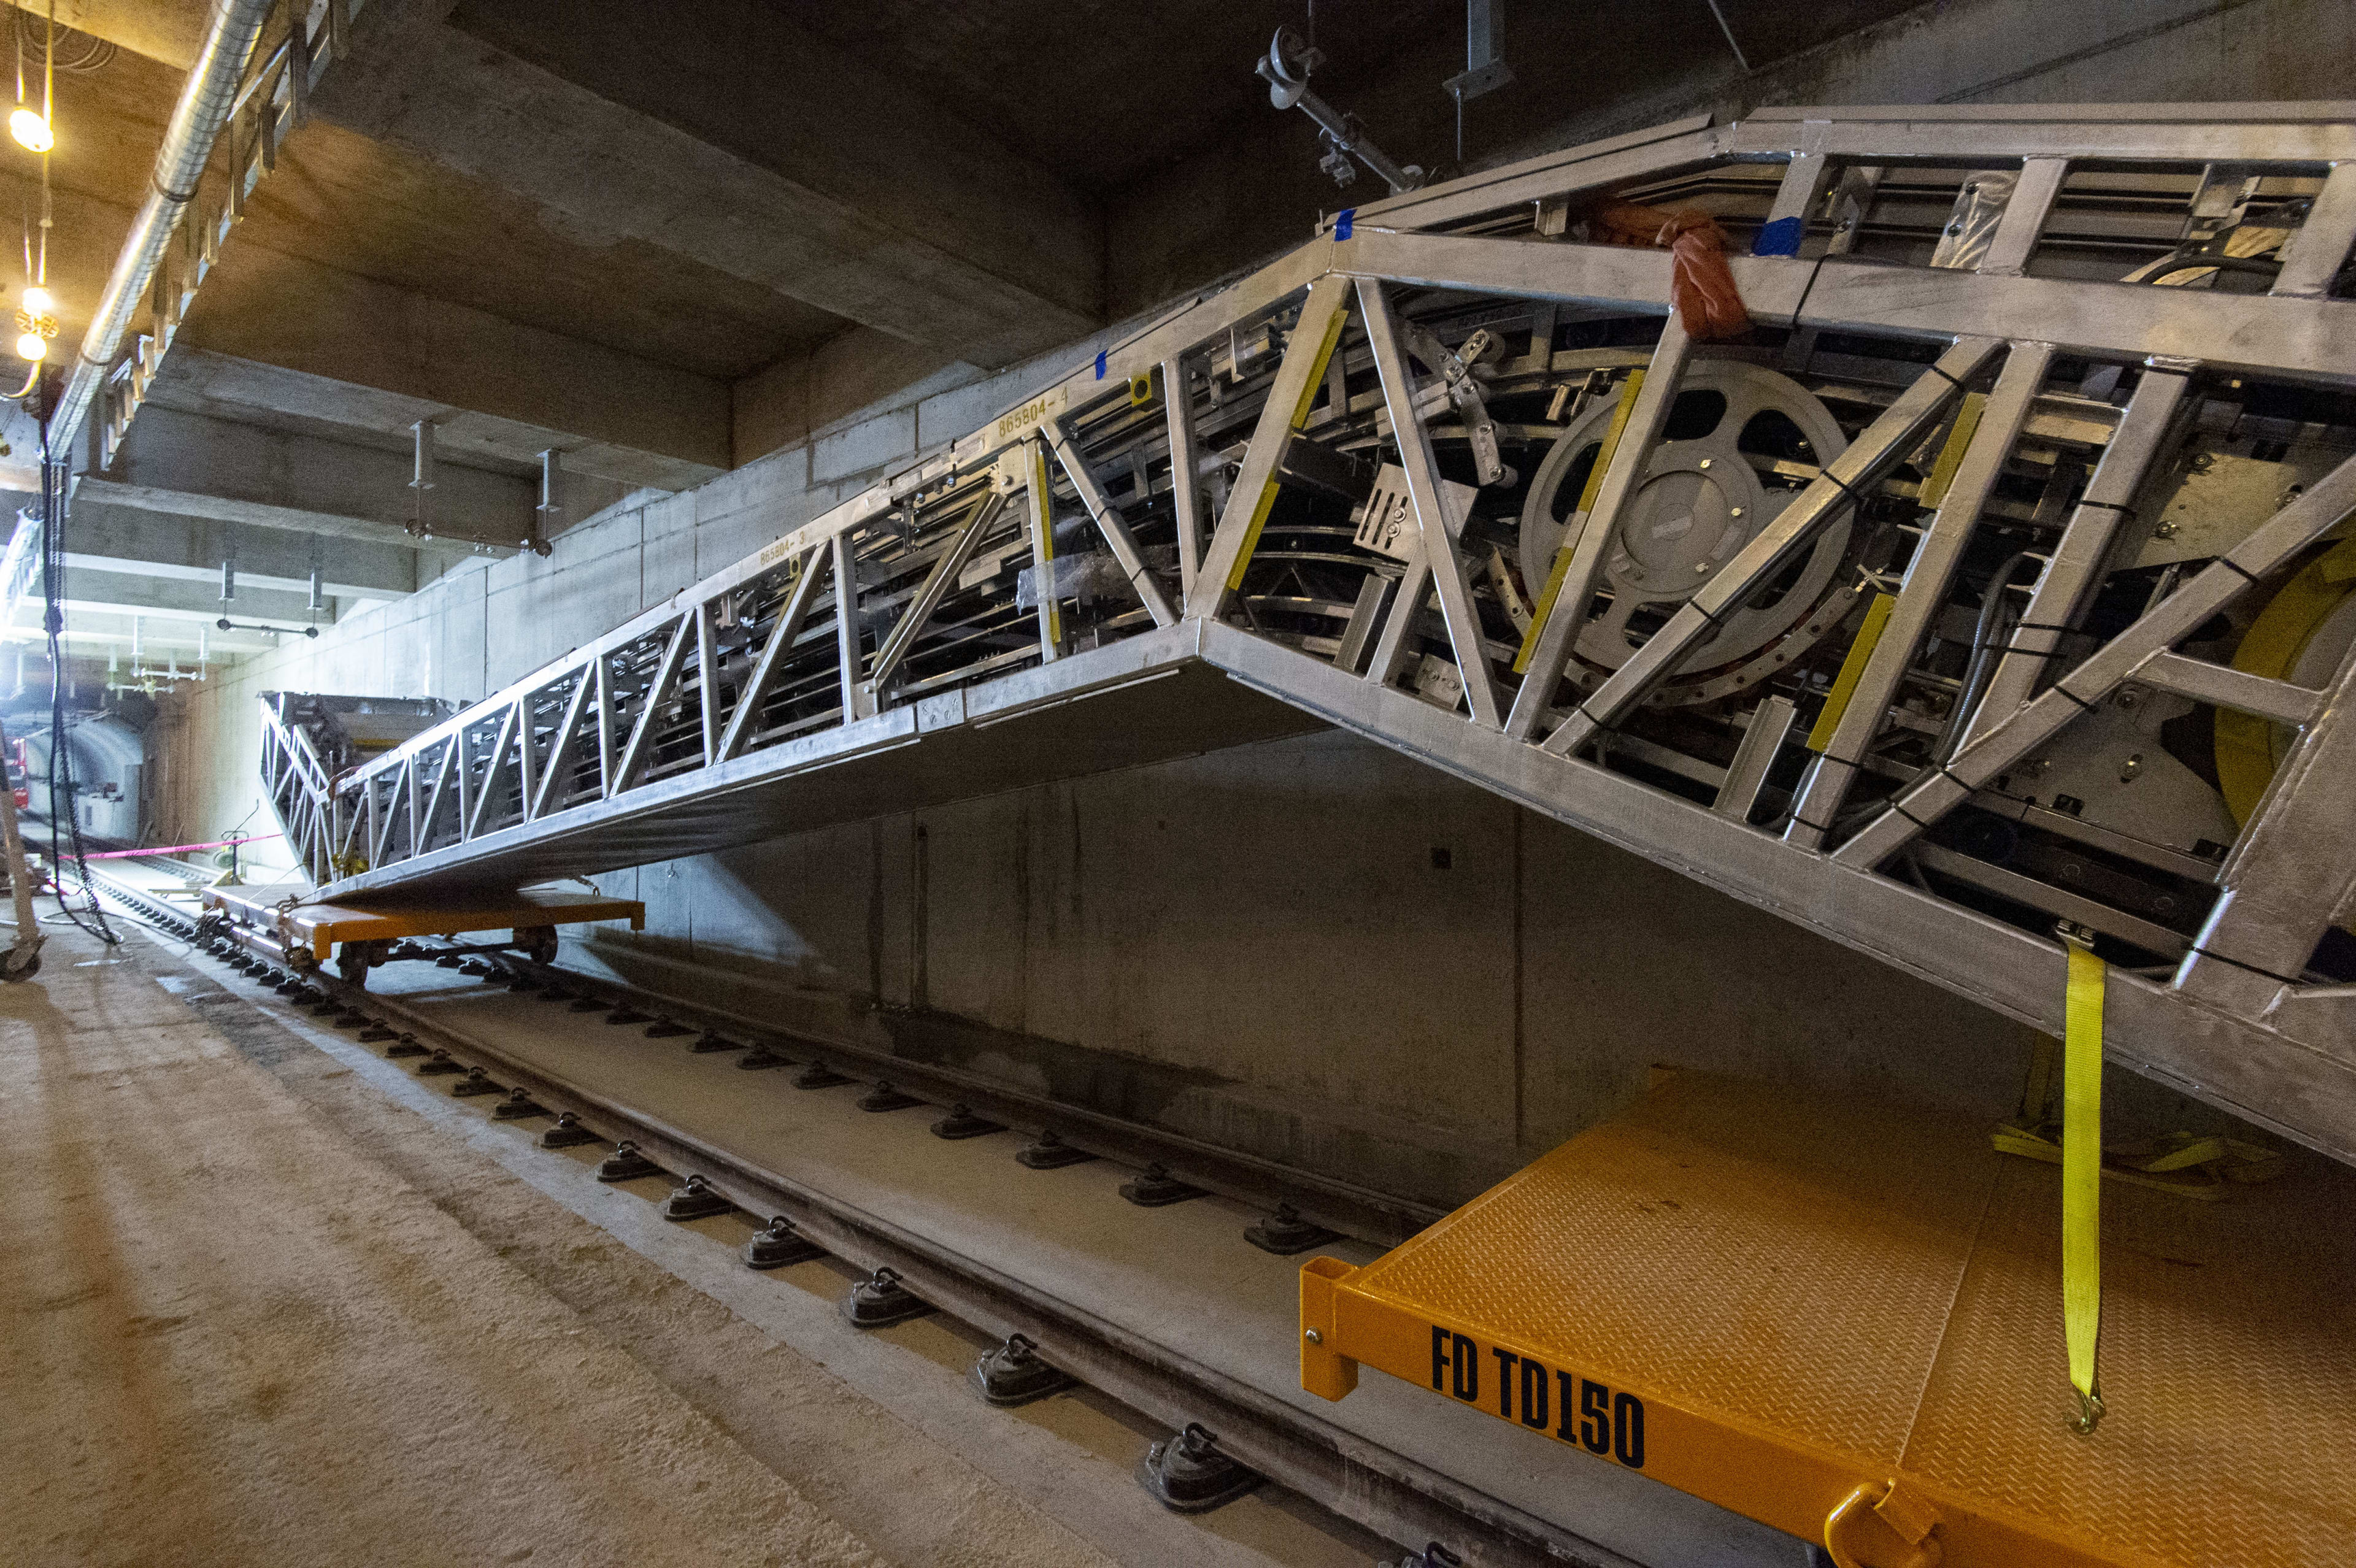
(32, 130)
(39, 303)
(32, 347)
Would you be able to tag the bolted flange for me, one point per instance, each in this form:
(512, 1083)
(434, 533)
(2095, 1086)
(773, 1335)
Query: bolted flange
(694, 1201)
(405, 1046)
(626, 1164)
(350, 1020)
(518, 1106)
(880, 1300)
(1050, 1153)
(589, 1005)
(761, 1058)
(664, 1028)
(962, 1123)
(883, 1097)
(378, 1031)
(780, 1244)
(711, 1043)
(568, 1133)
(1187, 1474)
(476, 1082)
(1155, 1188)
(1285, 1232)
(523, 985)
(625, 1014)
(817, 1075)
(447, 961)
(557, 994)
(438, 1063)
(1013, 1374)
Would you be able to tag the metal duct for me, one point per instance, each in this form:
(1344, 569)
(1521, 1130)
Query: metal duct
(196, 120)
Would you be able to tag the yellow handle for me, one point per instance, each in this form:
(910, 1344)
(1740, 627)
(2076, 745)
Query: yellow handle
(1882, 1527)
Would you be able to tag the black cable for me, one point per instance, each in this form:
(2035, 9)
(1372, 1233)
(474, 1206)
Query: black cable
(1986, 643)
(60, 760)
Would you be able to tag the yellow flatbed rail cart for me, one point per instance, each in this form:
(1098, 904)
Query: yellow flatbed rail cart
(1844, 1321)
(286, 923)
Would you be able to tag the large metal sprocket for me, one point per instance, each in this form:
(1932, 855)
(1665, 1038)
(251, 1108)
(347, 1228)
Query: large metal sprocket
(1700, 501)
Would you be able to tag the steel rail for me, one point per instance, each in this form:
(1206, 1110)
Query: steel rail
(1384, 1491)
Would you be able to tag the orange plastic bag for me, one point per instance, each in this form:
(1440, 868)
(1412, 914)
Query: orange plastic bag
(1701, 285)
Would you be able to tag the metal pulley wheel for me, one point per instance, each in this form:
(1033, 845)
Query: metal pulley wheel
(1700, 501)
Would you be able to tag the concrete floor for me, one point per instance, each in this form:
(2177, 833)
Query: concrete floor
(257, 1313)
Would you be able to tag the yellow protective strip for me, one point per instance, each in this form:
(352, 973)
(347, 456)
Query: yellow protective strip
(1951, 455)
(1852, 670)
(1562, 554)
(1299, 417)
(2081, 1181)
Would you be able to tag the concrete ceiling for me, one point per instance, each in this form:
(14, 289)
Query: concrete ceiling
(663, 240)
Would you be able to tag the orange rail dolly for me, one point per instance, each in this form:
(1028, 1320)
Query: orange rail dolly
(1844, 1321)
(305, 933)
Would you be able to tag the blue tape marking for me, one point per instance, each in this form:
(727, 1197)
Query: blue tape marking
(1781, 238)
(1343, 221)
(1101, 364)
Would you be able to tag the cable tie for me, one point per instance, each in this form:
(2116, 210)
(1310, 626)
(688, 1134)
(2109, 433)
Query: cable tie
(1910, 816)
(2238, 964)
(2237, 571)
(1800, 311)
(2106, 507)
(1944, 377)
(1824, 828)
(2083, 706)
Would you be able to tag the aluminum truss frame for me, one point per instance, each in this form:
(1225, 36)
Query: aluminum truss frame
(871, 658)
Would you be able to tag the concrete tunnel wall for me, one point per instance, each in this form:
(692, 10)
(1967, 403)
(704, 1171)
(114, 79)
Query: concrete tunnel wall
(1312, 949)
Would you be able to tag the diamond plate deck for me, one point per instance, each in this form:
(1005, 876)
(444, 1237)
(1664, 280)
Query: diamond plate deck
(1770, 1300)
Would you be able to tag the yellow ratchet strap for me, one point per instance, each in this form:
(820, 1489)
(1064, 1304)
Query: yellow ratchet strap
(2081, 1182)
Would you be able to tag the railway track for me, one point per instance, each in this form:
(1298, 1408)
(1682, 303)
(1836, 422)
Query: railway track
(1249, 1426)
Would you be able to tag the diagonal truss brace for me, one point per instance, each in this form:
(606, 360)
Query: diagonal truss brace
(1924, 590)
(1845, 480)
(2325, 505)
(1456, 606)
